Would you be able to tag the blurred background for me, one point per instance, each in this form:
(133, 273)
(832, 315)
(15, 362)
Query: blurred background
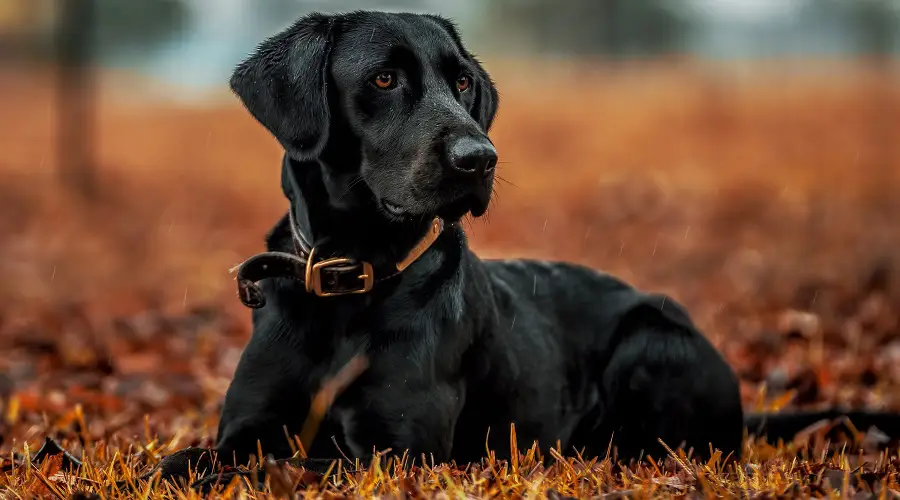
(740, 155)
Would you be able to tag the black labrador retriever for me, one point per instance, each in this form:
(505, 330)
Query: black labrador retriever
(384, 119)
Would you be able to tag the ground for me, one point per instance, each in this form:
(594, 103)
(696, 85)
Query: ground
(767, 204)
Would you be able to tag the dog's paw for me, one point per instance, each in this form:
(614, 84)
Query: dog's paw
(177, 467)
(283, 476)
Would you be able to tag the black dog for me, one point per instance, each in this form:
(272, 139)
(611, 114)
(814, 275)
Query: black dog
(384, 119)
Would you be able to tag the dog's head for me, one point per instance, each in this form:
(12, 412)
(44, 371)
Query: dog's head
(392, 107)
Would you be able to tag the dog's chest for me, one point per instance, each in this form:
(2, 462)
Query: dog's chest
(346, 418)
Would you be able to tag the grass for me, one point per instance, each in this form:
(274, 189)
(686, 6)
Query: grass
(767, 204)
(110, 470)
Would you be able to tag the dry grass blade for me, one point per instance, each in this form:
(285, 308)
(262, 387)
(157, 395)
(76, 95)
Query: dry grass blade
(52, 488)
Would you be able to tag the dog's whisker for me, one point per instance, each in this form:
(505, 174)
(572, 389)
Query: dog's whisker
(503, 179)
(350, 185)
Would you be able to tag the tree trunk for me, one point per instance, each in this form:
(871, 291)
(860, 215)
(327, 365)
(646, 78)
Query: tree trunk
(75, 97)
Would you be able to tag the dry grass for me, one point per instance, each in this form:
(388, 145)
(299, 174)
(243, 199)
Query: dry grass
(767, 204)
(107, 470)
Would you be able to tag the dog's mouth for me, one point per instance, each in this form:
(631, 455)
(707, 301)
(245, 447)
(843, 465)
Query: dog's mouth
(451, 211)
(393, 209)
(458, 208)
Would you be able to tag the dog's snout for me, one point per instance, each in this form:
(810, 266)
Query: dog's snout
(473, 156)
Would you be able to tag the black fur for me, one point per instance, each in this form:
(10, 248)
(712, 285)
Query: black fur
(459, 347)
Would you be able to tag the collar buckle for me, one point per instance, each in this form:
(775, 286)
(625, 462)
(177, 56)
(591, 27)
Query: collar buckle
(338, 276)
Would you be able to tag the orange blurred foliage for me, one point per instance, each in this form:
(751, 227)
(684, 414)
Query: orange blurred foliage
(759, 198)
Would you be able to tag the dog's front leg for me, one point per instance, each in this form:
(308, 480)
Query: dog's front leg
(273, 388)
(418, 423)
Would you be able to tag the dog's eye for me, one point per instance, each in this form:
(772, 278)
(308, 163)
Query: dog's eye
(384, 80)
(463, 83)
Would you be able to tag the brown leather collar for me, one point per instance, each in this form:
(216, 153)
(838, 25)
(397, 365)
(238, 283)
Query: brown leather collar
(334, 276)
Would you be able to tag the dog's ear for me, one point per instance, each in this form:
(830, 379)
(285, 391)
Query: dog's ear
(283, 84)
(486, 98)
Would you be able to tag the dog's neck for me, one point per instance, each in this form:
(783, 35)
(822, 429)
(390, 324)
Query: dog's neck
(337, 231)
(339, 252)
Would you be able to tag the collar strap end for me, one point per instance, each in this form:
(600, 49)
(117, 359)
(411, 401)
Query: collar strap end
(437, 227)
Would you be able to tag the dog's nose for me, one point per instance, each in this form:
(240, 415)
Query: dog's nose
(473, 157)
